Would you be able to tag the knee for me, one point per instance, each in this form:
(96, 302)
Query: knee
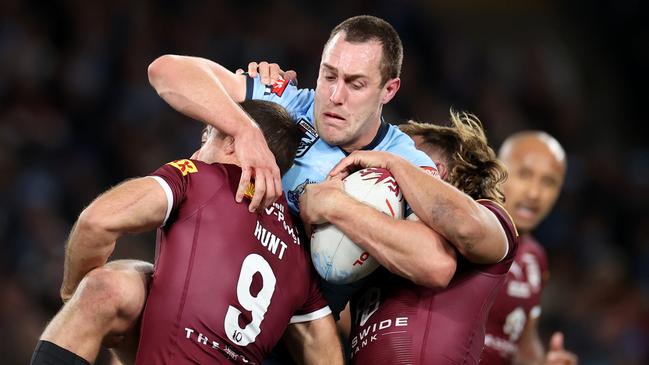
(99, 293)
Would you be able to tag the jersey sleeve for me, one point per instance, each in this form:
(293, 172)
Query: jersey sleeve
(173, 178)
(283, 92)
(315, 305)
(510, 232)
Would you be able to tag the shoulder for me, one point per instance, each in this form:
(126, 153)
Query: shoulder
(399, 143)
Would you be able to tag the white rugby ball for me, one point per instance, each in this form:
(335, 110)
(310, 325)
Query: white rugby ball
(336, 258)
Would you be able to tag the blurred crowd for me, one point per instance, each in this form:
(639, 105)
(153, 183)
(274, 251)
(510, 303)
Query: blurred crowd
(77, 115)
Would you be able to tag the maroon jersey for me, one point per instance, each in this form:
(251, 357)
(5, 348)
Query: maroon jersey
(395, 321)
(518, 300)
(226, 282)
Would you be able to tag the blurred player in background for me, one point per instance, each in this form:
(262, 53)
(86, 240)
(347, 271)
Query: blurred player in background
(226, 284)
(395, 321)
(537, 167)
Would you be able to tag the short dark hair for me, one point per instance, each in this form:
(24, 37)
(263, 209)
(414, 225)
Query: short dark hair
(281, 132)
(365, 28)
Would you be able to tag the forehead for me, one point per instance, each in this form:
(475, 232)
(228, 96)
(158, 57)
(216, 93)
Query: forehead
(353, 58)
(535, 155)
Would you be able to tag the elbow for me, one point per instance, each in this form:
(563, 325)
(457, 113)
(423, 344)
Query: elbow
(161, 69)
(93, 223)
(432, 271)
(467, 233)
(438, 274)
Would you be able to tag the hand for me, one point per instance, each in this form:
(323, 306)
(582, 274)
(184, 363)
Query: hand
(557, 355)
(258, 162)
(361, 159)
(269, 72)
(319, 199)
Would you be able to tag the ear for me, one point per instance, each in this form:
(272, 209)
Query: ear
(442, 169)
(228, 145)
(390, 88)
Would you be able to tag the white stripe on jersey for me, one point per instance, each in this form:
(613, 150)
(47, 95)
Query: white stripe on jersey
(168, 193)
(320, 313)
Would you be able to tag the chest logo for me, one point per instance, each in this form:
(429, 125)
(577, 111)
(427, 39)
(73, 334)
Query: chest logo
(309, 137)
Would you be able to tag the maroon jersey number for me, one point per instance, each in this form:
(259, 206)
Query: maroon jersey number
(258, 305)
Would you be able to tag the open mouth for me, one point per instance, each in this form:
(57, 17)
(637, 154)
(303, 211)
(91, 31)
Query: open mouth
(526, 211)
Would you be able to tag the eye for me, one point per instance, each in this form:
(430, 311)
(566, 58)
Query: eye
(357, 86)
(549, 182)
(329, 77)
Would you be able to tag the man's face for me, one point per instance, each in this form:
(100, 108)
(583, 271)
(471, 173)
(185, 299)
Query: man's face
(534, 182)
(349, 94)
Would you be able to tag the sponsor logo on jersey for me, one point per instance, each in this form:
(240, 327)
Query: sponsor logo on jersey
(184, 166)
(309, 137)
(215, 344)
(276, 88)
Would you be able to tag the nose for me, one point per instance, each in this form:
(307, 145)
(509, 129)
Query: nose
(534, 190)
(338, 92)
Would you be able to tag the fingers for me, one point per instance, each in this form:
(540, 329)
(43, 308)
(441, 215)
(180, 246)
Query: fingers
(557, 355)
(270, 195)
(556, 342)
(244, 182)
(268, 73)
(239, 71)
(290, 75)
(561, 358)
(264, 72)
(343, 167)
(277, 183)
(260, 191)
(274, 72)
(252, 69)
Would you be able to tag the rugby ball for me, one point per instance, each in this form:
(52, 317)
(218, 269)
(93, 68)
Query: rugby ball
(336, 258)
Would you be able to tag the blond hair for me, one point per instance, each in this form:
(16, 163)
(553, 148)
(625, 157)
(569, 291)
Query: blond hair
(472, 165)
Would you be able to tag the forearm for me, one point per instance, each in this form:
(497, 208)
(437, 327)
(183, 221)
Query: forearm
(133, 206)
(202, 90)
(87, 248)
(407, 248)
(455, 215)
(314, 342)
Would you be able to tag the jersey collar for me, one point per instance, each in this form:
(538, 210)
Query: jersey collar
(380, 134)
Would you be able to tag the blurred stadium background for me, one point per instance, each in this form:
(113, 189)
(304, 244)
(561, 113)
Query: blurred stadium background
(77, 115)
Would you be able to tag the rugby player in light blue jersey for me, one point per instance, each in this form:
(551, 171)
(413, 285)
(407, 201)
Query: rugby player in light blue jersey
(359, 73)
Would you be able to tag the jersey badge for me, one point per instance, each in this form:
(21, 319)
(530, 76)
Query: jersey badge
(250, 191)
(184, 166)
(309, 137)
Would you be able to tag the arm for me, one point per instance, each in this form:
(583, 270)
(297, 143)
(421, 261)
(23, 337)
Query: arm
(314, 342)
(407, 248)
(471, 228)
(206, 91)
(134, 206)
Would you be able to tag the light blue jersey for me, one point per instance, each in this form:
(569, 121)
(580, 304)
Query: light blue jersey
(315, 157)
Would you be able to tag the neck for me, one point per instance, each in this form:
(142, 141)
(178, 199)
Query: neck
(364, 140)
